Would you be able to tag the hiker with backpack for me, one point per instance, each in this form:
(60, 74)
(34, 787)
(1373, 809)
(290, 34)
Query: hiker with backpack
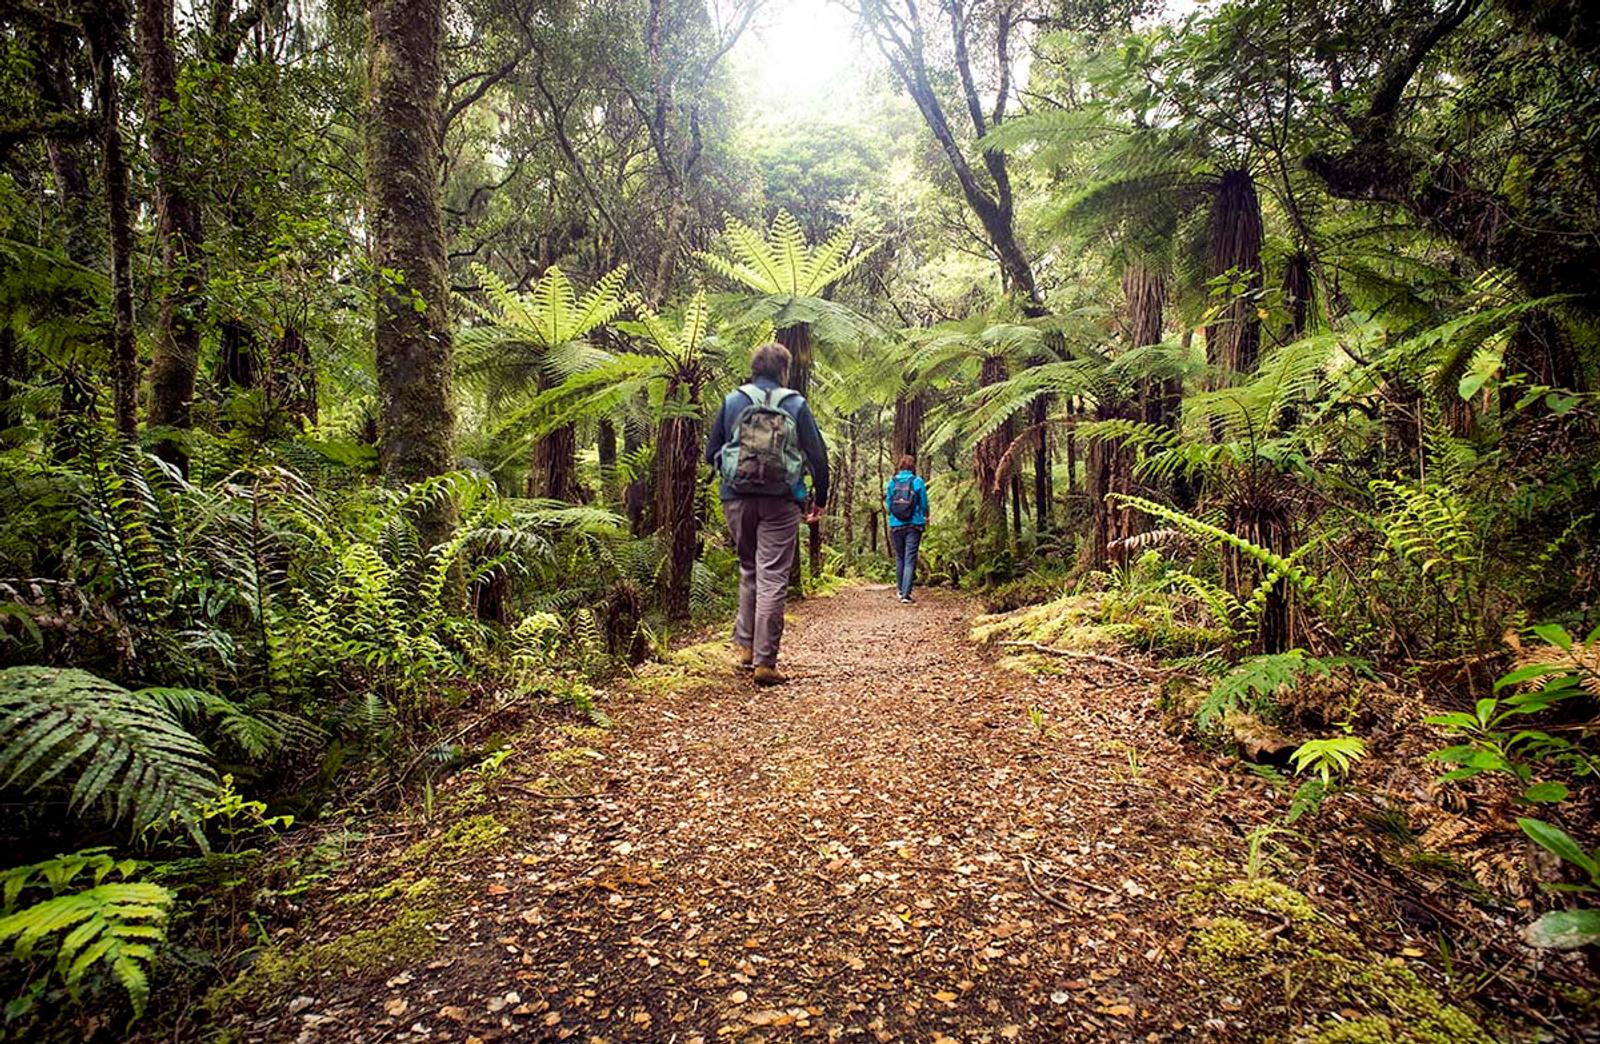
(762, 442)
(906, 500)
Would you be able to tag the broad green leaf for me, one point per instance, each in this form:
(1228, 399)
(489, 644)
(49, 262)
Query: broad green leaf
(1564, 930)
(1546, 793)
(1554, 839)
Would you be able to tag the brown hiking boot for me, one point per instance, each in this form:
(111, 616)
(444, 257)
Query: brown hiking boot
(742, 657)
(768, 676)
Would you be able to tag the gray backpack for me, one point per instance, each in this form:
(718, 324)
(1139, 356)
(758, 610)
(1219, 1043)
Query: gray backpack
(762, 456)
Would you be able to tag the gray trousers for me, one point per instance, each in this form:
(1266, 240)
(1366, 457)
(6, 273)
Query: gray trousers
(764, 531)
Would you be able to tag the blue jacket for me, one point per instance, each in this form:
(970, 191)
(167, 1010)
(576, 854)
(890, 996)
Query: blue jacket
(811, 444)
(920, 488)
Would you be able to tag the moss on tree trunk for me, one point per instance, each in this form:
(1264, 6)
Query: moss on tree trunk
(412, 328)
(176, 350)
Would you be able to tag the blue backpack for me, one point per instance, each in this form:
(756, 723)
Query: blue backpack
(903, 498)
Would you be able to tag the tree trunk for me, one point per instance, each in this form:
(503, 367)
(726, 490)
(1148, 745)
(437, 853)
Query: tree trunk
(237, 364)
(849, 497)
(907, 434)
(1110, 463)
(12, 367)
(1233, 339)
(1039, 417)
(176, 350)
(636, 495)
(294, 376)
(1145, 289)
(1298, 289)
(606, 451)
(413, 322)
(678, 445)
(986, 465)
(553, 472)
(102, 33)
(1016, 504)
(797, 339)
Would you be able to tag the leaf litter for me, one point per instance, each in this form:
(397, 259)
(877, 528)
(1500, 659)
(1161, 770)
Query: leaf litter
(885, 849)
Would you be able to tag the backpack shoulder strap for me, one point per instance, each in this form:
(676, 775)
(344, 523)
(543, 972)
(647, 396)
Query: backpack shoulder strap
(754, 393)
(781, 395)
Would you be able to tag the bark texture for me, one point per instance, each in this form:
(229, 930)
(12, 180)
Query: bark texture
(679, 441)
(987, 458)
(1109, 466)
(1233, 339)
(103, 31)
(412, 325)
(906, 435)
(176, 349)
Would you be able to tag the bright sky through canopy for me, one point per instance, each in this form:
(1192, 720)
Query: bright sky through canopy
(803, 56)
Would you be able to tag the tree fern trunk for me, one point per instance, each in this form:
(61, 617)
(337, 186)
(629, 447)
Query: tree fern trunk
(294, 375)
(606, 451)
(986, 465)
(1042, 492)
(849, 500)
(1233, 340)
(102, 35)
(909, 410)
(677, 465)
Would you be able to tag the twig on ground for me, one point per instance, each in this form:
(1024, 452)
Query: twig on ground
(581, 795)
(1054, 899)
(1073, 654)
(411, 766)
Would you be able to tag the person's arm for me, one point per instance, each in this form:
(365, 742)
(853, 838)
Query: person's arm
(719, 435)
(816, 452)
(922, 495)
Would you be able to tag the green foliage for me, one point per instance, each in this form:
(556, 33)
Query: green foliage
(1334, 756)
(782, 262)
(1254, 683)
(1498, 740)
(1565, 929)
(117, 925)
(121, 753)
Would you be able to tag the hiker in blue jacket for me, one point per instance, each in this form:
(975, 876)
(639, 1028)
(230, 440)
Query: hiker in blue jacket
(762, 442)
(905, 499)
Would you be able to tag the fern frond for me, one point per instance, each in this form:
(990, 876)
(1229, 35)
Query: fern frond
(114, 924)
(124, 751)
(1284, 567)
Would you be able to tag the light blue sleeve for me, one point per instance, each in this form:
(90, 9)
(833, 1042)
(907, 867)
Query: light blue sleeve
(922, 493)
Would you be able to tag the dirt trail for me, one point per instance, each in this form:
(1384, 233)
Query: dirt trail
(844, 857)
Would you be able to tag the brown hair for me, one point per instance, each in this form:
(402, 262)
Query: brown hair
(770, 360)
(908, 462)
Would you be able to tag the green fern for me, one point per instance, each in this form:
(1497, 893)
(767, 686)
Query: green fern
(1254, 682)
(115, 924)
(781, 262)
(1331, 757)
(124, 751)
(1273, 562)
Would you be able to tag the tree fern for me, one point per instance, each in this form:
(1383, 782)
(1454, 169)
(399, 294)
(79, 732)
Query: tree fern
(781, 262)
(114, 924)
(123, 751)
